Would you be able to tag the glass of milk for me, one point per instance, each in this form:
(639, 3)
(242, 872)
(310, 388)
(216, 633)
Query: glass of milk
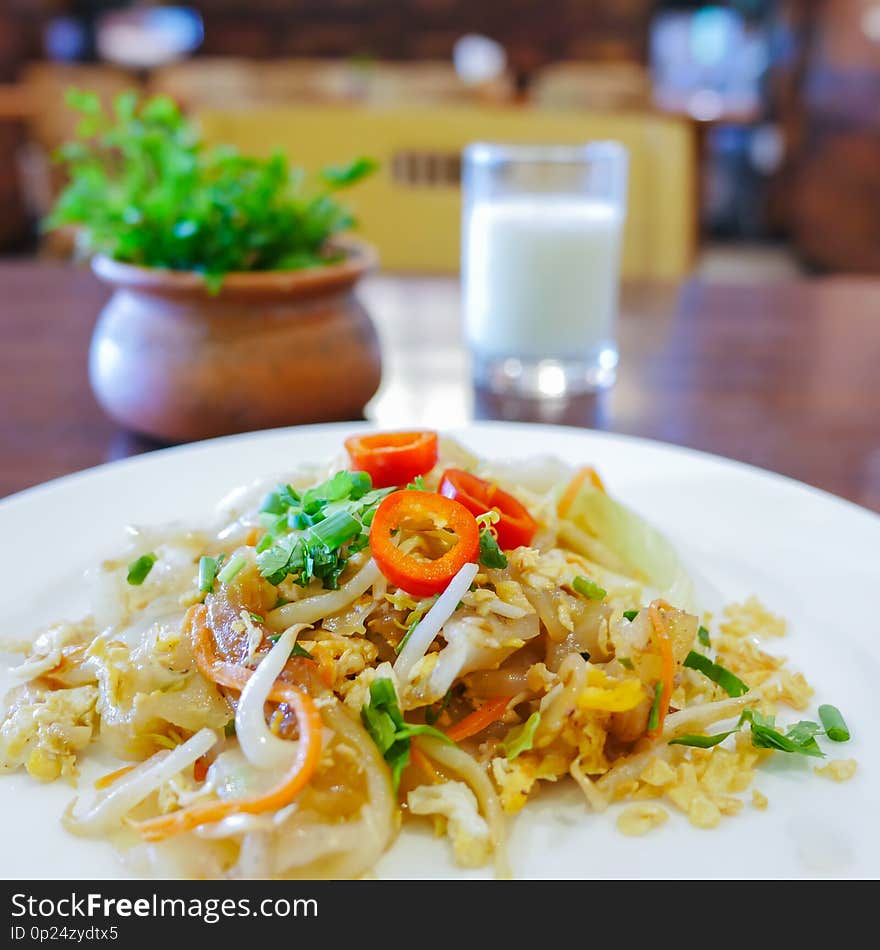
(541, 236)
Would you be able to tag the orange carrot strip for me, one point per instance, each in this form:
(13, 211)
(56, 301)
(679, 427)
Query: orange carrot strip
(491, 711)
(574, 486)
(111, 777)
(308, 752)
(667, 670)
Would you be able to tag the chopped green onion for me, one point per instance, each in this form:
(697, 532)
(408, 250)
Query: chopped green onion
(731, 684)
(256, 617)
(409, 632)
(232, 568)
(301, 651)
(207, 573)
(835, 727)
(521, 738)
(703, 636)
(588, 588)
(630, 615)
(490, 554)
(703, 742)
(334, 531)
(139, 569)
(625, 662)
(654, 716)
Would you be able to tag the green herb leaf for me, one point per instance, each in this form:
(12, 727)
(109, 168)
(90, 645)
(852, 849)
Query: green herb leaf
(587, 588)
(312, 534)
(835, 727)
(630, 615)
(703, 636)
(521, 738)
(385, 724)
(731, 684)
(800, 739)
(343, 176)
(417, 484)
(301, 651)
(139, 569)
(490, 554)
(144, 189)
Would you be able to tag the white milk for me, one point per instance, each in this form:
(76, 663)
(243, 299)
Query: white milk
(542, 277)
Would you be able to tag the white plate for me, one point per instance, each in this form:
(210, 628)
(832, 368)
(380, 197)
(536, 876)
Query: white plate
(806, 554)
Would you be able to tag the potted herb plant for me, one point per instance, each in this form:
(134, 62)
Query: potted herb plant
(233, 304)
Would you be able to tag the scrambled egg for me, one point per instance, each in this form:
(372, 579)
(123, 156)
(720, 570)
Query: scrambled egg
(45, 729)
(466, 827)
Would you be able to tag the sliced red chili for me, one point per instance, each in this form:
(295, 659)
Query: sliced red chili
(422, 577)
(393, 458)
(516, 526)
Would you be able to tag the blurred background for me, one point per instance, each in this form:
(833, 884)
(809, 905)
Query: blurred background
(753, 125)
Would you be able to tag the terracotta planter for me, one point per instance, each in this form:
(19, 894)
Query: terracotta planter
(273, 348)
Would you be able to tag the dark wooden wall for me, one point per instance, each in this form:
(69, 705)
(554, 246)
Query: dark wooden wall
(533, 31)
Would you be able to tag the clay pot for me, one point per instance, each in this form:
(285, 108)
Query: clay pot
(170, 360)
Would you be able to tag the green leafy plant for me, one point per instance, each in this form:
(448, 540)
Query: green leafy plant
(145, 189)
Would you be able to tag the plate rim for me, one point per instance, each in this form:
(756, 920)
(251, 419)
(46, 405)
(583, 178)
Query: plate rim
(747, 468)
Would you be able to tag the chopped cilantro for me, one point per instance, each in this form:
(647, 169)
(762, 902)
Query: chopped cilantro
(490, 554)
(384, 721)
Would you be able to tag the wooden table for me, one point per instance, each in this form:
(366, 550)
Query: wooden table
(785, 376)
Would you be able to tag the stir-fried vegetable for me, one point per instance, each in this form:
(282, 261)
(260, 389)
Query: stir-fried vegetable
(664, 645)
(393, 459)
(798, 739)
(422, 577)
(384, 721)
(515, 526)
(582, 476)
(521, 738)
(491, 711)
(491, 554)
(308, 752)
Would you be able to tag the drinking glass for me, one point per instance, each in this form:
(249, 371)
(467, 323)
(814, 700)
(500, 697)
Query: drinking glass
(541, 238)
